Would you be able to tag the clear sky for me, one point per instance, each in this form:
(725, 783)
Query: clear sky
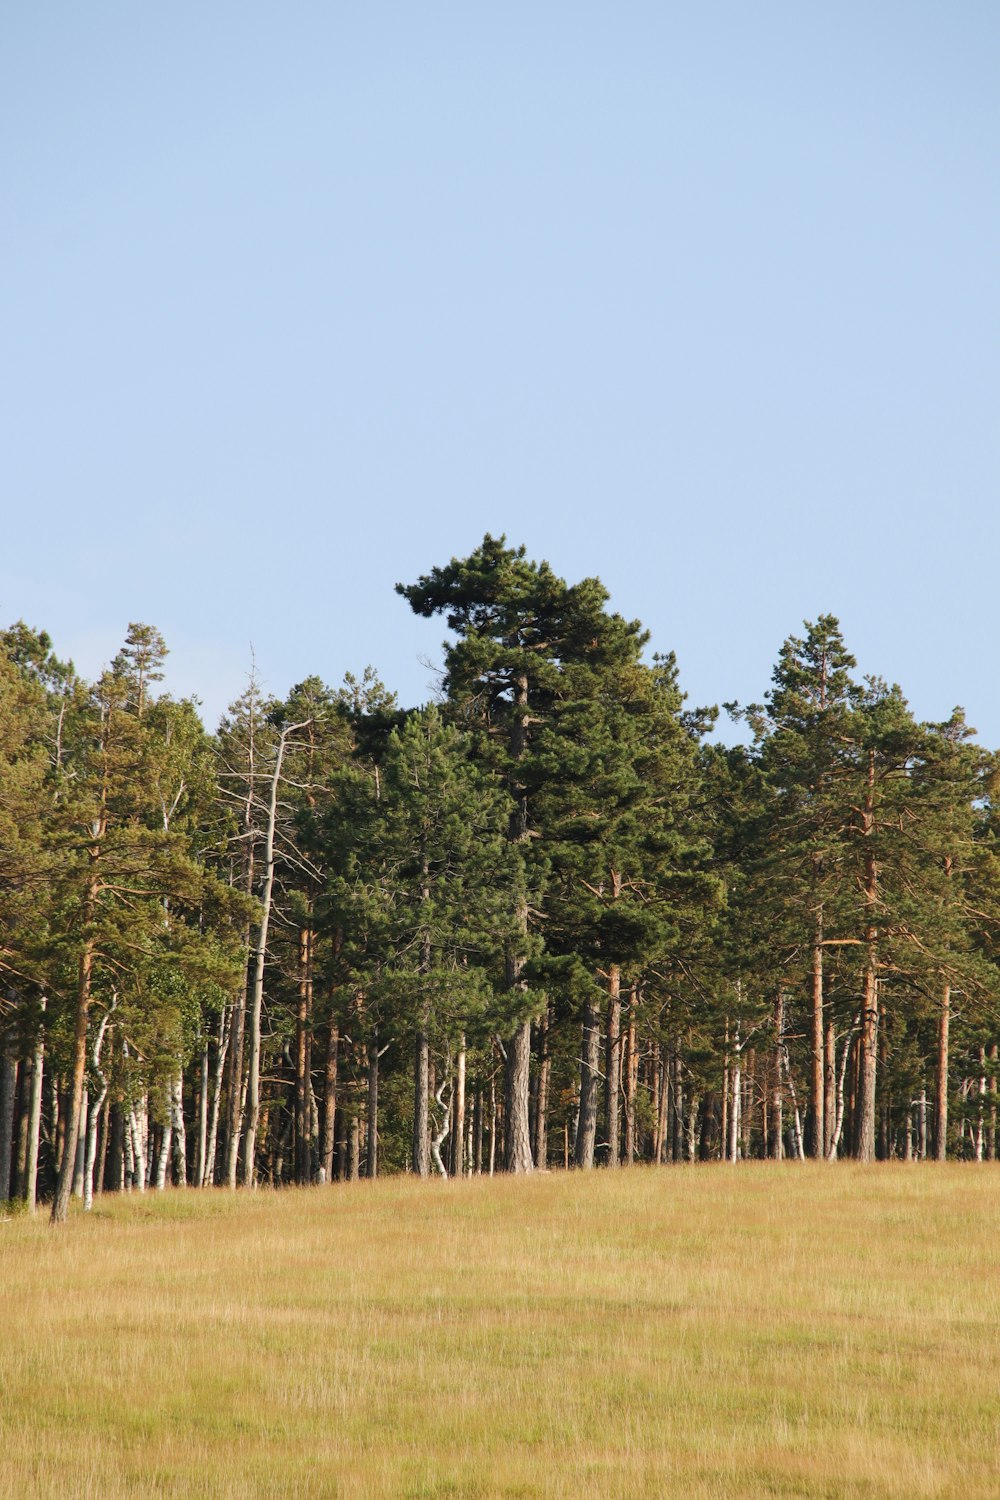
(301, 300)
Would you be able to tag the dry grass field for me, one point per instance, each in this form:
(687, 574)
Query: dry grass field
(695, 1332)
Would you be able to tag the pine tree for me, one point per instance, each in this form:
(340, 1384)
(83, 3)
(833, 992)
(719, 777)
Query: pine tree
(521, 634)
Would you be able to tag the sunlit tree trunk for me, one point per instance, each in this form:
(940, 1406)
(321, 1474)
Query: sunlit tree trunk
(35, 1112)
(613, 1065)
(586, 1128)
(865, 1125)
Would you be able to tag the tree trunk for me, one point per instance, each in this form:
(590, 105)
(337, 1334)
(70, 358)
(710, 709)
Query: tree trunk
(354, 1150)
(64, 1181)
(222, 1045)
(202, 1149)
(776, 1149)
(421, 1104)
(586, 1128)
(941, 1080)
(458, 1126)
(371, 1162)
(90, 1158)
(542, 1105)
(35, 1107)
(613, 1066)
(493, 1125)
(517, 1074)
(865, 1124)
(631, 1078)
(817, 1092)
(303, 1018)
(830, 1080)
(330, 1100)
(736, 1095)
(8, 1090)
(178, 1127)
(260, 958)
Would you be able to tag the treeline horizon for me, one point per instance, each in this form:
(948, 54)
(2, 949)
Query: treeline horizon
(544, 922)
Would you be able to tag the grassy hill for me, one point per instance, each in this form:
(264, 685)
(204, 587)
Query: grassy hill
(717, 1331)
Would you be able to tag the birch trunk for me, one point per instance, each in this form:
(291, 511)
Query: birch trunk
(458, 1131)
(91, 1151)
(221, 1053)
(202, 1148)
(260, 958)
(817, 1096)
(35, 1106)
(733, 1144)
(178, 1127)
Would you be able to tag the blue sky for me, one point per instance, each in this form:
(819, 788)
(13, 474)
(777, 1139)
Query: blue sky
(302, 300)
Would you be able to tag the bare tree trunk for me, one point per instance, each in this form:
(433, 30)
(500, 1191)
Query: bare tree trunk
(303, 1021)
(493, 1125)
(330, 1100)
(830, 1081)
(354, 1150)
(941, 1081)
(865, 1125)
(81, 1145)
(691, 1128)
(839, 1119)
(421, 1154)
(35, 1107)
(458, 1133)
(613, 1065)
(202, 1147)
(817, 1096)
(677, 1143)
(163, 1155)
(91, 1151)
(991, 1133)
(138, 1138)
(178, 1128)
(517, 1135)
(438, 1137)
(371, 1162)
(477, 1130)
(733, 1148)
(542, 1106)
(981, 1117)
(221, 1053)
(662, 1104)
(260, 958)
(586, 1127)
(777, 1147)
(631, 1077)
(8, 1090)
(64, 1181)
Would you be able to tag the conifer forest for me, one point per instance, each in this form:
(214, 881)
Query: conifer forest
(548, 921)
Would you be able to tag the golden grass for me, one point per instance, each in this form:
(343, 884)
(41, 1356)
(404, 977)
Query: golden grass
(697, 1332)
